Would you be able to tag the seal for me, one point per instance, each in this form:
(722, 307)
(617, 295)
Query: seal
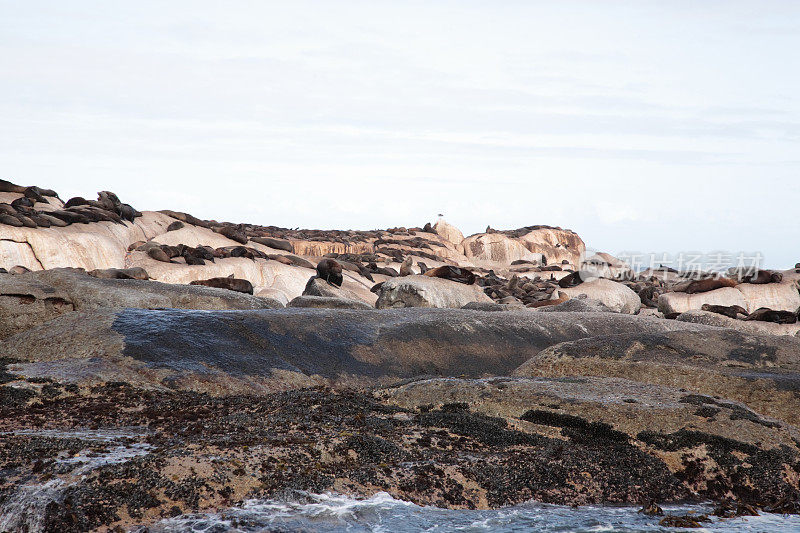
(762, 277)
(175, 226)
(405, 267)
(120, 273)
(562, 297)
(331, 271)
(730, 311)
(230, 283)
(705, 285)
(764, 314)
(158, 254)
(453, 273)
(570, 280)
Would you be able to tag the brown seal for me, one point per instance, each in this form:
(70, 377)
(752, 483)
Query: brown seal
(120, 273)
(709, 284)
(570, 280)
(764, 314)
(230, 283)
(731, 311)
(405, 267)
(453, 273)
(762, 277)
(562, 297)
(158, 254)
(331, 271)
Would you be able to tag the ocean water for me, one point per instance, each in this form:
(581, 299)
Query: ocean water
(382, 513)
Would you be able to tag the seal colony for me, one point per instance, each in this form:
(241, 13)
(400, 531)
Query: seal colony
(252, 361)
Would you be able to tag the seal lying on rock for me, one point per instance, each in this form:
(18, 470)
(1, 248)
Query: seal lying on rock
(765, 314)
(453, 273)
(120, 273)
(230, 283)
(331, 271)
(234, 233)
(762, 277)
(158, 254)
(731, 311)
(705, 285)
(570, 280)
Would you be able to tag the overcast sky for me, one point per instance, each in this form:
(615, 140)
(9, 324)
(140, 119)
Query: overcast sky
(662, 126)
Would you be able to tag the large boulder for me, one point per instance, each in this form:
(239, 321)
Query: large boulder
(615, 296)
(753, 327)
(426, 291)
(760, 370)
(319, 287)
(555, 244)
(27, 302)
(776, 296)
(603, 265)
(35, 297)
(448, 232)
(496, 249)
(680, 302)
(278, 349)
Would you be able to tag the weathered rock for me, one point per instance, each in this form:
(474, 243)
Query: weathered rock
(777, 296)
(706, 443)
(424, 291)
(490, 306)
(25, 303)
(496, 249)
(448, 232)
(555, 244)
(761, 371)
(36, 297)
(328, 302)
(603, 265)
(615, 296)
(218, 351)
(578, 304)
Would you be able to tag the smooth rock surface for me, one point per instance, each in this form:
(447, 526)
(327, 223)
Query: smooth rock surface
(425, 291)
(242, 351)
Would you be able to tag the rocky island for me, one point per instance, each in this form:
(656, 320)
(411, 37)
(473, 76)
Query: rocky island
(154, 364)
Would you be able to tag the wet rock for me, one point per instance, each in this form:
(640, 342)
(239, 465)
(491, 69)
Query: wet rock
(762, 371)
(708, 455)
(280, 348)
